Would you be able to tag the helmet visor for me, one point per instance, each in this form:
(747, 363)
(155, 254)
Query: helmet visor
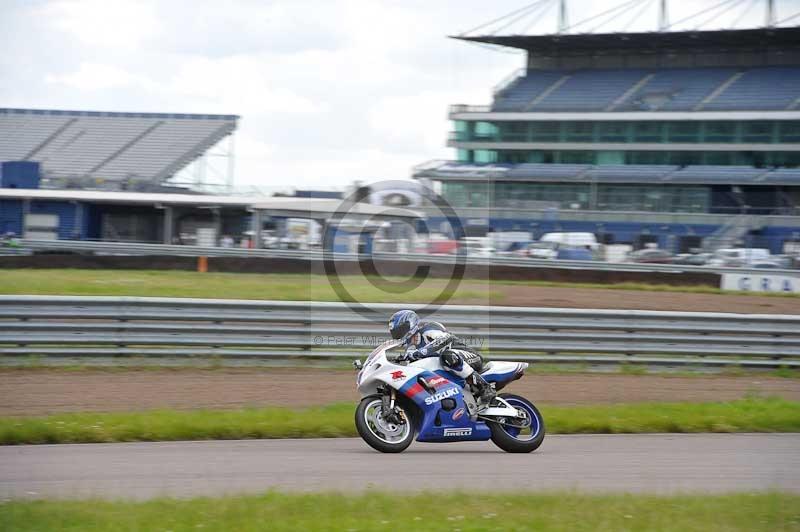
(400, 330)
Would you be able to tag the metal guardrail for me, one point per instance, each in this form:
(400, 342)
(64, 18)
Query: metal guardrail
(132, 326)
(133, 248)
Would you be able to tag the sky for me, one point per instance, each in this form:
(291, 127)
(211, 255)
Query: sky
(329, 91)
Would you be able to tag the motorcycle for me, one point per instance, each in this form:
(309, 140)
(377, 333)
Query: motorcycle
(401, 399)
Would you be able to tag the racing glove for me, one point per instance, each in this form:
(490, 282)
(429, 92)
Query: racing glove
(412, 353)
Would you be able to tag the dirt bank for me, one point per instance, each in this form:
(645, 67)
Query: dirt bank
(34, 392)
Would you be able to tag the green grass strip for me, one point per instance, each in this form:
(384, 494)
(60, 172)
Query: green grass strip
(289, 287)
(745, 415)
(425, 511)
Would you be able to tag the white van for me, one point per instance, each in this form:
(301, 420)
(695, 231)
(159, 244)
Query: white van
(739, 256)
(476, 246)
(581, 240)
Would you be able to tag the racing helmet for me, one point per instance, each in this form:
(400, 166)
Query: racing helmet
(403, 325)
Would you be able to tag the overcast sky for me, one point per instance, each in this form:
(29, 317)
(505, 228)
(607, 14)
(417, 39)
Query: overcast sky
(329, 91)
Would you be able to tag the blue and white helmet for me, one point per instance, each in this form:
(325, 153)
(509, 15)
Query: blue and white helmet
(403, 325)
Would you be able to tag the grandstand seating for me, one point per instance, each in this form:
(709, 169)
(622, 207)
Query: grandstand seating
(588, 90)
(109, 146)
(676, 89)
(781, 84)
(666, 90)
(522, 91)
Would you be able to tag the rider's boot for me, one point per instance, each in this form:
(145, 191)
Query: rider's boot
(484, 392)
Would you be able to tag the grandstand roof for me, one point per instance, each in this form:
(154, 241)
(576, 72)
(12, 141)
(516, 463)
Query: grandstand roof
(656, 41)
(632, 174)
(290, 205)
(76, 146)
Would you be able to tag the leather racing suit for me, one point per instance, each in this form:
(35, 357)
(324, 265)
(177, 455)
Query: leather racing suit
(432, 339)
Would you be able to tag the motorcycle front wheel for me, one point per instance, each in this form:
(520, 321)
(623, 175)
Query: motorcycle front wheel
(519, 436)
(379, 433)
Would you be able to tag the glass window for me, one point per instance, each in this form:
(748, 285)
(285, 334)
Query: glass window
(462, 130)
(544, 131)
(566, 196)
(513, 157)
(648, 132)
(463, 155)
(611, 157)
(783, 158)
(513, 131)
(454, 193)
(485, 156)
(684, 158)
(577, 157)
(477, 194)
(612, 131)
(717, 157)
(485, 131)
(789, 131)
(646, 157)
(653, 198)
(758, 132)
(537, 156)
(683, 131)
(720, 132)
(578, 131)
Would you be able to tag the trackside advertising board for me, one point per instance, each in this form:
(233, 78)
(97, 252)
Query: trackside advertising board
(761, 283)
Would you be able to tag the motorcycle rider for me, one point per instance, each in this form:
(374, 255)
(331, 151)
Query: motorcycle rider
(429, 339)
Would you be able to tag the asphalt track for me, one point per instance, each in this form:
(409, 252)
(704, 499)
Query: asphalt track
(657, 463)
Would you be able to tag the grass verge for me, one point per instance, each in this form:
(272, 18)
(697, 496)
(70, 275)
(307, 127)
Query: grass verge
(745, 415)
(425, 511)
(280, 286)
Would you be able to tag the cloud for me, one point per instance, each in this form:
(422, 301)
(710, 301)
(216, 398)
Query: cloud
(240, 83)
(118, 23)
(329, 90)
(94, 76)
(226, 85)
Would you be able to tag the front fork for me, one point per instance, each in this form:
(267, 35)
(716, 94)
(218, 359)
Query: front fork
(390, 412)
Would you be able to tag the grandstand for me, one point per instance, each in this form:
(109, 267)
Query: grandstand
(638, 137)
(109, 150)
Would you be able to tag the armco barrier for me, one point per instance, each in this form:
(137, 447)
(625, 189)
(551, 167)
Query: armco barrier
(132, 248)
(120, 326)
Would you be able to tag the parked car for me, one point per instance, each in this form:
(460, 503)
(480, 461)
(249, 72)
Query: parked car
(765, 265)
(652, 256)
(693, 259)
(542, 250)
(574, 253)
(476, 247)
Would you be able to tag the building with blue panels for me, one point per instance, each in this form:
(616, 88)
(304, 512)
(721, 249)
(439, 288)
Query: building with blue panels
(665, 137)
(171, 218)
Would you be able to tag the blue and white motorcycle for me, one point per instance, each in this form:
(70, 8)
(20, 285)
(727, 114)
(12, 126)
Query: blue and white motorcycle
(422, 398)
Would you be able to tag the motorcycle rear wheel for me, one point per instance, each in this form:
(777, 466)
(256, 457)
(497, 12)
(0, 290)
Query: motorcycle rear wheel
(379, 433)
(511, 439)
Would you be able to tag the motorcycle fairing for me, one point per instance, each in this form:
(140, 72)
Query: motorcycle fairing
(453, 425)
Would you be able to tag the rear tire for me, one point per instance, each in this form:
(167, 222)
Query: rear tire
(380, 435)
(510, 443)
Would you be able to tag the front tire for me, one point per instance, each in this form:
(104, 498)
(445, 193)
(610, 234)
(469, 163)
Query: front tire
(380, 434)
(526, 438)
